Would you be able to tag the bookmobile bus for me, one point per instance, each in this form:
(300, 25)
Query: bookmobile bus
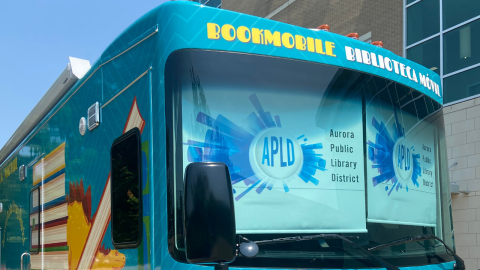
(207, 138)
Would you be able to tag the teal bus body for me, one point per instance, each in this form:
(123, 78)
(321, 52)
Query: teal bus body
(131, 73)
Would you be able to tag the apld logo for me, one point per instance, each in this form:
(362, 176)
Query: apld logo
(403, 160)
(276, 154)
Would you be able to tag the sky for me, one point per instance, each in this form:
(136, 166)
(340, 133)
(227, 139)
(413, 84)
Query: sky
(38, 36)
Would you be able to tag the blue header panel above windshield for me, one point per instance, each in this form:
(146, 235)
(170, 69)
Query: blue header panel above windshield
(183, 25)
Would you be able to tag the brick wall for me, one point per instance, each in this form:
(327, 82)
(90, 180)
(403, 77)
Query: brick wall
(381, 17)
(462, 128)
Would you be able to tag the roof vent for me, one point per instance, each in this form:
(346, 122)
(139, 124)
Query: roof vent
(324, 27)
(353, 35)
(378, 44)
(93, 116)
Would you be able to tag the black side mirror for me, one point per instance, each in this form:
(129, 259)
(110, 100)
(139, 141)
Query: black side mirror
(209, 216)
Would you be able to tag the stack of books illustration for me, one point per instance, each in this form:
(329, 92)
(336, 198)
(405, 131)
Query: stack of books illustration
(49, 175)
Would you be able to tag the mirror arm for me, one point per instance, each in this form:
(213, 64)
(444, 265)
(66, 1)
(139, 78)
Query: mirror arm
(221, 266)
(244, 238)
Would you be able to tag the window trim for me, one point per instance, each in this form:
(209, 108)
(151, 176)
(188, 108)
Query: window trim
(461, 70)
(37, 251)
(125, 245)
(461, 24)
(461, 100)
(421, 41)
(412, 3)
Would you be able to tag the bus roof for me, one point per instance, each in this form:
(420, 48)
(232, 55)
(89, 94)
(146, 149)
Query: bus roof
(189, 25)
(75, 70)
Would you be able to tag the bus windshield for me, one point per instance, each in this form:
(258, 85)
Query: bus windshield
(311, 149)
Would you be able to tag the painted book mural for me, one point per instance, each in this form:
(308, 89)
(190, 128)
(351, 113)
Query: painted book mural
(71, 235)
(49, 176)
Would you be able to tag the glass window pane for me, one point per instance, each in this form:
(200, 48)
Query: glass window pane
(423, 20)
(126, 211)
(427, 54)
(461, 85)
(410, 1)
(458, 45)
(457, 11)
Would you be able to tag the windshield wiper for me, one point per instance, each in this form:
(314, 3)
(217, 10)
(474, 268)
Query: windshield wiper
(250, 248)
(459, 263)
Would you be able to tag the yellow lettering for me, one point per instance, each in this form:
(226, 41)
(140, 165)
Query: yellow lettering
(319, 46)
(9, 169)
(288, 41)
(310, 44)
(213, 31)
(241, 34)
(257, 36)
(228, 32)
(260, 36)
(329, 46)
(301, 42)
(273, 38)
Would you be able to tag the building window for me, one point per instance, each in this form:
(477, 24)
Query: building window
(458, 11)
(427, 54)
(459, 47)
(462, 85)
(423, 20)
(125, 189)
(35, 210)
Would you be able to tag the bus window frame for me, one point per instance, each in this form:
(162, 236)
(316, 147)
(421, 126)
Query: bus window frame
(118, 140)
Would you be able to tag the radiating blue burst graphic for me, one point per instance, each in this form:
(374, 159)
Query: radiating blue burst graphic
(229, 143)
(381, 154)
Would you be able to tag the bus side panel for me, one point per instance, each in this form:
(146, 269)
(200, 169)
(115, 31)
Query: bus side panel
(89, 181)
(126, 111)
(87, 169)
(127, 104)
(76, 205)
(14, 232)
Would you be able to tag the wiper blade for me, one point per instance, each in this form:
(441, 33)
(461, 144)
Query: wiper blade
(459, 263)
(294, 239)
(385, 264)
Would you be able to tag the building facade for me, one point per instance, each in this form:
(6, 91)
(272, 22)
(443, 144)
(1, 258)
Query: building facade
(442, 35)
(371, 19)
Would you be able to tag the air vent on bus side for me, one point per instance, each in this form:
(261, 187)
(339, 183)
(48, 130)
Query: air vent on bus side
(93, 116)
